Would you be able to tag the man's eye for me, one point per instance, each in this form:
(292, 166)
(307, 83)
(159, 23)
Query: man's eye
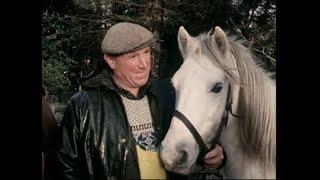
(217, 88)
(147, 51)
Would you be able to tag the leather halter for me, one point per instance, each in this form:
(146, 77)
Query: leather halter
(224, 121)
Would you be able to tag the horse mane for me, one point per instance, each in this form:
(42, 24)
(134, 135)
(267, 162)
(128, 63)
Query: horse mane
(256, 99)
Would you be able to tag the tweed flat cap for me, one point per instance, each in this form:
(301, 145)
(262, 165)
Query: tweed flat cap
(125, 37)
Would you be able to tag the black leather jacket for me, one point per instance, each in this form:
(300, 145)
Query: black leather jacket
(96, 141)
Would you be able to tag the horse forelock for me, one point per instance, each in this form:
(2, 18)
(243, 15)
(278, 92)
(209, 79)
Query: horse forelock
(256, 99)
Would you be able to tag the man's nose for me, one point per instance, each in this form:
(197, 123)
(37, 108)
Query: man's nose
(143, 61)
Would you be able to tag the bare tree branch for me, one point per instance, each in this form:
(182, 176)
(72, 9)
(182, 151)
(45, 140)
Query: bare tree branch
(113, 17)
(131, 3)
(85, 19)
(265, 54)
(251, 16)
(238, 30)
(126, 18)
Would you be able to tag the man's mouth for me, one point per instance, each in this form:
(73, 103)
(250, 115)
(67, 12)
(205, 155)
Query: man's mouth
(141, 75)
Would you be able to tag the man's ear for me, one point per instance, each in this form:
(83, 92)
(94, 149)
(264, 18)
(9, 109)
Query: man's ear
(110, 60)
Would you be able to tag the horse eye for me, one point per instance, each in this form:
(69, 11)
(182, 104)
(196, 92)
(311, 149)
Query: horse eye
(217, 88)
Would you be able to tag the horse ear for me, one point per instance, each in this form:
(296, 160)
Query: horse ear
(221, 39)
(183, 40)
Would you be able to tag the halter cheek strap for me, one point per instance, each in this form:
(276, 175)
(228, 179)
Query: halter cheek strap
(203, 147)
(194, 132)
(224, 121)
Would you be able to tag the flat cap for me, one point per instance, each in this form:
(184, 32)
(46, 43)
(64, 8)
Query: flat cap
(125, 37)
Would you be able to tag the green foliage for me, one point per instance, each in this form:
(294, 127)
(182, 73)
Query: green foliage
(66, 43)
(56, 60)
(73, 30)
(56, 65)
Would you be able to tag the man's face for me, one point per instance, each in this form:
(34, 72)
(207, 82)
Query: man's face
(131, 70)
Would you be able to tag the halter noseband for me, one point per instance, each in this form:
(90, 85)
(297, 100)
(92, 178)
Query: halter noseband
(223, 123)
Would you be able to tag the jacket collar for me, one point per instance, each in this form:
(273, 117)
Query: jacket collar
(105, 80)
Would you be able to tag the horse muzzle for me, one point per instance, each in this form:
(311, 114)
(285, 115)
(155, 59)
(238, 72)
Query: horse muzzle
(175, 160)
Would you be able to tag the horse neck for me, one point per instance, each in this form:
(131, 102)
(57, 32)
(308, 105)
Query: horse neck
(239, 163)
(231, 144)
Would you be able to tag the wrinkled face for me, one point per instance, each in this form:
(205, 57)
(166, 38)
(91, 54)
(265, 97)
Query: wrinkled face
(201, 93)
(131, 71)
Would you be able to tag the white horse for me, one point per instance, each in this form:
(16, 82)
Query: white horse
(213, 63)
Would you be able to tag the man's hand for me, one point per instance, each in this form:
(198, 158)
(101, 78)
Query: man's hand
(213, 159)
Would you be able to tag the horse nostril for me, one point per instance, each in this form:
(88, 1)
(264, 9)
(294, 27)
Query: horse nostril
(183, 157)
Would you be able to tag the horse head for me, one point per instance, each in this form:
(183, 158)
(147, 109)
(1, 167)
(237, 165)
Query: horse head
(201, 96)
(219, 75)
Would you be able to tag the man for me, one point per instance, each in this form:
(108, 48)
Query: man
(112, 129)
